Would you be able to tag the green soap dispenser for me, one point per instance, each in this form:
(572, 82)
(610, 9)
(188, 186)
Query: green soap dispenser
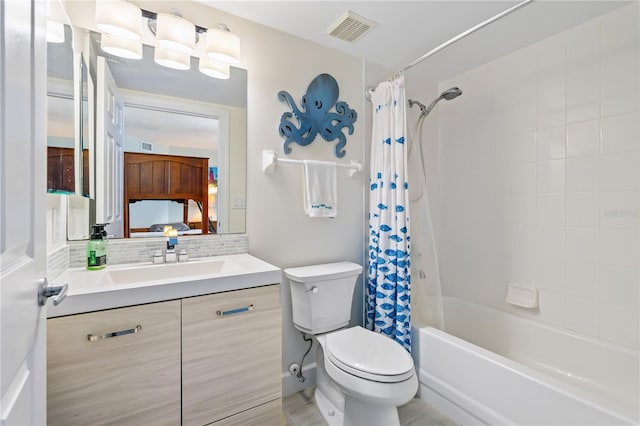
(97, 248)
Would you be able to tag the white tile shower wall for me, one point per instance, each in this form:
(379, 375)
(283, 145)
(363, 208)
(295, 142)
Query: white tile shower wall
(541, 183)
(137, 251)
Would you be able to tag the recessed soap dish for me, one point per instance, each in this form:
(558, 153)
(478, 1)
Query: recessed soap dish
(524, 297)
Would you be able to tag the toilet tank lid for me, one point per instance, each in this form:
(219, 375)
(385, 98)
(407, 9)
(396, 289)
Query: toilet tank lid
(326, 271)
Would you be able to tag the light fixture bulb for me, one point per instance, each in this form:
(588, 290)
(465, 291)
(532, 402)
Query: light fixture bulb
(213, 68)
(55, 32)
(117, 46)
(223, 45)
(171, 59)
(175, 33)
(119, 18)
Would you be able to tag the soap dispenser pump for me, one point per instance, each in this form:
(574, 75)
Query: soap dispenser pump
(97, 248)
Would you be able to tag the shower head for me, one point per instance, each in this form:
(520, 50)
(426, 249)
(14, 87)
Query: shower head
(448, 94)
(452, 93)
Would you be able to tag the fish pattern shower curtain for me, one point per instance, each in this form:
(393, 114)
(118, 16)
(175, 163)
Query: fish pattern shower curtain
(389, 279)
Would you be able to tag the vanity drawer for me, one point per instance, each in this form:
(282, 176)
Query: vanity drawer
(231, 353)
(120, 366)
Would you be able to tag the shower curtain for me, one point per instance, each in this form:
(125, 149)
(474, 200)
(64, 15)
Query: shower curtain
(389, 275)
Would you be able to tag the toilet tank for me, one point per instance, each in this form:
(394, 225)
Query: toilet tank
(321, 295)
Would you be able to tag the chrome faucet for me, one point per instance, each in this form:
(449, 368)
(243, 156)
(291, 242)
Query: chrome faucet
(170, 254)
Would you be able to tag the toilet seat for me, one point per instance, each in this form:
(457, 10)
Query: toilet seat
(368, 355)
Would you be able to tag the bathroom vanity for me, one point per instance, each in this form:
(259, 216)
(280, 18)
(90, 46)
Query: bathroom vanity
(207, 352)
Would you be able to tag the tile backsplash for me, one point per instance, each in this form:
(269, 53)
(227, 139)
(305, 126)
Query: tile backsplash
(141, 250)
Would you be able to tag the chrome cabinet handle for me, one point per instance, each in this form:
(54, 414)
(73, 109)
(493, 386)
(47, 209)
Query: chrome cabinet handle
(235, 311)
(46, 290)
(95, 337)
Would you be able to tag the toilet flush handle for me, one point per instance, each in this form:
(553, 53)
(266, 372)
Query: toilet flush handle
(313, 290)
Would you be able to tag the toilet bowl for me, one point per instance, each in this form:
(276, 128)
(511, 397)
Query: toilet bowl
(361, 376)
(374, 372)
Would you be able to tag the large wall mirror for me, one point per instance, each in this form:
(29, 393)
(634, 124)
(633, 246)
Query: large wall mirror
(184, 144)
(181, 130)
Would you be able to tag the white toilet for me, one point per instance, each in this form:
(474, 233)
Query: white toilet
(361, 376)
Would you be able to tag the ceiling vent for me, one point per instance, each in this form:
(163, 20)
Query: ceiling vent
(350, 27)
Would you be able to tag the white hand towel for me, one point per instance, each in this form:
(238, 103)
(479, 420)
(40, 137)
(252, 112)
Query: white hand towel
(320, 189)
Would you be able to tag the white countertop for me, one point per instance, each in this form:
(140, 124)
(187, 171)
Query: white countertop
(133, 284)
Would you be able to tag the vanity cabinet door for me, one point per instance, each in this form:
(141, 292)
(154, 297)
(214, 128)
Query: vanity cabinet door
(117, 367)
(231, 354)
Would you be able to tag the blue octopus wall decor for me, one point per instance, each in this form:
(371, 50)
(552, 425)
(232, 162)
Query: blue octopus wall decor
(314, 117)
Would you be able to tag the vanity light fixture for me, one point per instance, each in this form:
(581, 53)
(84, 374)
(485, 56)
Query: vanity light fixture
(176, 38)
(175, 33)
(213, 68)
(119, 18)
(122, 47)
(171, 58)
(223, 45)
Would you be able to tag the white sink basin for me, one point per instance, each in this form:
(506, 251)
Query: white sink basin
(171, 271)
(127, 285)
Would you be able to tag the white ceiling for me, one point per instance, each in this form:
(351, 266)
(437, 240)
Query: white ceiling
(171, 129)
(408, 29)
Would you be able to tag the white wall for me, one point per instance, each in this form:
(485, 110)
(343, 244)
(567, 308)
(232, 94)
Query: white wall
(541, 178)
(278, 230)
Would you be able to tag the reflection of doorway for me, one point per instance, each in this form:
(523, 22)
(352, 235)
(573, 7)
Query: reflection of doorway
(164, 132)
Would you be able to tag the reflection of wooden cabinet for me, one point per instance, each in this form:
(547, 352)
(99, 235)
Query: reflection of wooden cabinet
(165, 177)
(132, 378)
(231, 356)
(85, 173)
(60, 171)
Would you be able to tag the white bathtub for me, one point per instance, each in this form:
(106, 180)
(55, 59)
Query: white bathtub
(525, 373)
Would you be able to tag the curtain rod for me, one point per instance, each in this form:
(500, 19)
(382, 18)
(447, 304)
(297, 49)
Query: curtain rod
(456, 38)
(466, 33)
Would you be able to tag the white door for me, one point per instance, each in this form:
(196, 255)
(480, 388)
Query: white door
(22, 212)
(109, 151)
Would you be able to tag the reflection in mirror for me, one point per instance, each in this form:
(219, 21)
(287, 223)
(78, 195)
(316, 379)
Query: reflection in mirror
(195, 126)
(60, 116)
(85, 137)
(169, 135)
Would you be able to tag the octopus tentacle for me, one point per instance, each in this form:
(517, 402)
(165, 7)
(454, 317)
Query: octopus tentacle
(285, 96)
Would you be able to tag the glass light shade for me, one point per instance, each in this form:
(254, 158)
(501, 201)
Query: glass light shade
(213, 68)
(171, 59)
(119, 18)
(175, 33)
(55, 32)
(223, 46)
(130, 49)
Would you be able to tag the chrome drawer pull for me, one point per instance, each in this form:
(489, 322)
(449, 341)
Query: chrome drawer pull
(94, 337)
(235, 311)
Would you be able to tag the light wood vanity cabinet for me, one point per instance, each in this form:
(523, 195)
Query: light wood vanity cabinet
(231, 354)
(97, 377)
(212, 359)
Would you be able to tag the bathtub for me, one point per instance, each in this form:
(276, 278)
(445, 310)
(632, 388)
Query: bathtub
(492, 367)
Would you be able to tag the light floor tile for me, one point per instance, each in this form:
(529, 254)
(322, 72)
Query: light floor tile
(300, 410)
